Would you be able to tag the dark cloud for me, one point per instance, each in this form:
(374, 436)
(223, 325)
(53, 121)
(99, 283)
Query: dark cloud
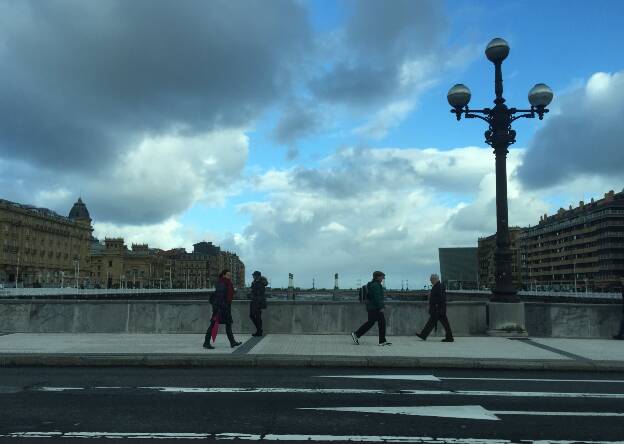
(80, 80)
(297, 121)
(583, 139)
(378, 39)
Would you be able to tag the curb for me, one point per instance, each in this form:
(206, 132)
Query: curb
(229, 360)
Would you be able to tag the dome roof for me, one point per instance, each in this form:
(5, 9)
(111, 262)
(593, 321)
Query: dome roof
(79, 211)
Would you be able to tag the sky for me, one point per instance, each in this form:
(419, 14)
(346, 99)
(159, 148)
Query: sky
(309, 137)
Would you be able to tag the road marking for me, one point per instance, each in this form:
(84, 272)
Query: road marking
(208, 390)
(56, 389)
(537, 380)
(520, 412)
(458, 411)
(440, 378)
(440, 411)
(275, 437)
(388, 377)
(283, 390)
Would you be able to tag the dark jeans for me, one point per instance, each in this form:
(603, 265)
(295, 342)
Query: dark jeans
(433, 320)
(228, 331)
(374, 315)
(255, 314)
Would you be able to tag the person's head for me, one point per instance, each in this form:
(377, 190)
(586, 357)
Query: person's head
(256, 275)
(434, 279)
(378, 276)
(226, 274)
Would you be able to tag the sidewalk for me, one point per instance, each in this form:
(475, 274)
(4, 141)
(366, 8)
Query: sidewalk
(180, 350)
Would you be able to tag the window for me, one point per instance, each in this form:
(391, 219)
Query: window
(110, 263)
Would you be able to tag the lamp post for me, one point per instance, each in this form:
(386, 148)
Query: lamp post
(500, 136)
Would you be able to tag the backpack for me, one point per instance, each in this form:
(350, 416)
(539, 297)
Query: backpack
(364, 293)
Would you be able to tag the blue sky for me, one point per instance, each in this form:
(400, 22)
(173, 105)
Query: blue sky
(308, 136)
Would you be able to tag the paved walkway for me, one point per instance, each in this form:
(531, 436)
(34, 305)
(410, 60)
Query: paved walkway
(309, 350)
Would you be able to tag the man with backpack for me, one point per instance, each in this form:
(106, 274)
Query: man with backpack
(373, 294)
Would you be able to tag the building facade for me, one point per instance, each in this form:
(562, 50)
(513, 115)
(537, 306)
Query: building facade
(485, 256)
(577, 249)
(201, 268)
(40, 248)
(459, 268)
(116, 266)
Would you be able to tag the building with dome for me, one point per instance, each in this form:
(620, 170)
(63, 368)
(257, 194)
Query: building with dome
(41, 248)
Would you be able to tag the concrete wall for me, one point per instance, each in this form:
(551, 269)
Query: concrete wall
(572, 320)
(403, 318)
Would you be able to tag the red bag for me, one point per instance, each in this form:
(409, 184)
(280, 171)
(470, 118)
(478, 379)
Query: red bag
(215, 328)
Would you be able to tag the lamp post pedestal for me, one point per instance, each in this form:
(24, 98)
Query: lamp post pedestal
(506, 319)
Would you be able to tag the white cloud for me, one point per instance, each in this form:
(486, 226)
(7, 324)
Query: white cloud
(385, 209)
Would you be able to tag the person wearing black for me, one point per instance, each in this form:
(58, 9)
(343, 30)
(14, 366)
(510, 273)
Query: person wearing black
(620, 335)
(375, 309)
(221, 302)
(258, 301)
(437, 310)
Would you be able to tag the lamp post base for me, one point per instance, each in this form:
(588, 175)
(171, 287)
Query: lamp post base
(506, 319)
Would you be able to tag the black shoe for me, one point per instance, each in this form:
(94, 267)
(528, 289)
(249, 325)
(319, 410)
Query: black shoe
(620, 337)
(208, 346)
(355, 339)
(235, 344)
(424, 338)
(448, 340)
(257, 334)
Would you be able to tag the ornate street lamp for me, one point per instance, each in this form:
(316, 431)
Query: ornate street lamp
(499, 136)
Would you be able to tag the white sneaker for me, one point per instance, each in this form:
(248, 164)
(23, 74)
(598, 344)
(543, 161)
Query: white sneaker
(382, 344)
(355, 339)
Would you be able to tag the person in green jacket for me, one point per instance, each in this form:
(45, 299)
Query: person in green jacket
(375, 309)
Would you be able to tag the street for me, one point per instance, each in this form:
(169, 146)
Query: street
(328, 404)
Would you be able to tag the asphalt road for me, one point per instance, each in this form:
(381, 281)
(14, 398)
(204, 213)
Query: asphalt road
(82, 404)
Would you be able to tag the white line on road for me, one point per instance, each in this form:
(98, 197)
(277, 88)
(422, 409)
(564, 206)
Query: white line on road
(388, 377)
(440, 378)
(621, 381)
(439, 411)
(281, 390)
(275, 437)
(457, 411)
(520, 412)
(338, 391)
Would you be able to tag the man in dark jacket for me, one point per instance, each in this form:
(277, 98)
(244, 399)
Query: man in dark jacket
(258, 301)
(620, 335)
(375, 309)
(437, 310)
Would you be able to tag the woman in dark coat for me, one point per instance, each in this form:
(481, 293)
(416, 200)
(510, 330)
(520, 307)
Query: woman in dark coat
(222, 308)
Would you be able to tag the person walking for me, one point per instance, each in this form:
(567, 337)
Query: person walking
(375, 309)
(437, 310)
(258, 301)
(620, 335)
(222, 310)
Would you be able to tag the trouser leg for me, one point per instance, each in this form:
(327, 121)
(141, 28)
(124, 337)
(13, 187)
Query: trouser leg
(230, 335)
(381, 324)
(259, 320)
(447, 327)
(366, 325)
(429, 326)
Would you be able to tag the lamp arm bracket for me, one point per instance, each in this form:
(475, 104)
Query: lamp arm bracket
(528, 115)
(470, 115)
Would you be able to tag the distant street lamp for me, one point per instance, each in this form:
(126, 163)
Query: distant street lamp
(500, 136)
